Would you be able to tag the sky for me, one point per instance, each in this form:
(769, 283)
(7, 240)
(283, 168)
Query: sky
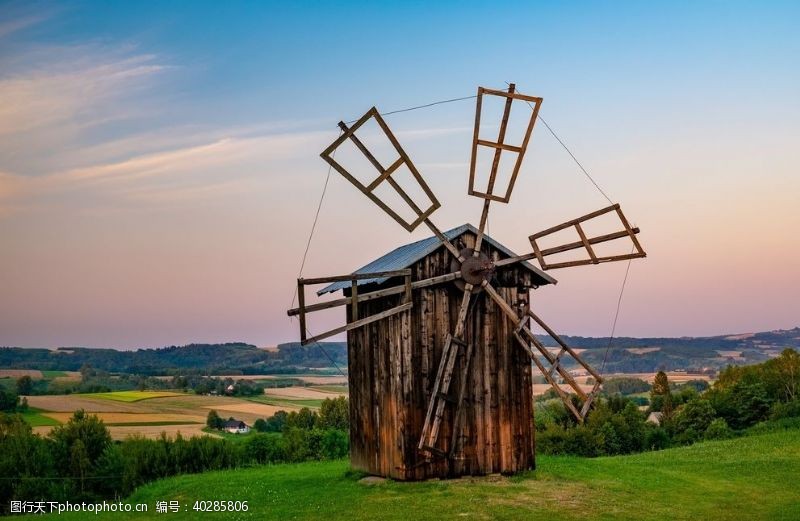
(160, 170)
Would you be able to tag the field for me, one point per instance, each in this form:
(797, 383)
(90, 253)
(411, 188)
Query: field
(750, 478)
(133, 396)
(150, 413)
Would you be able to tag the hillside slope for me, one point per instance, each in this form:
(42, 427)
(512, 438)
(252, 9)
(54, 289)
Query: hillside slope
(746, 478)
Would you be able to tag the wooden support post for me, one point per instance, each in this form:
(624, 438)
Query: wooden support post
(301, 299)
(354, 300)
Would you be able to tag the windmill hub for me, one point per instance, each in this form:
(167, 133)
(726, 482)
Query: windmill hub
(474, 270)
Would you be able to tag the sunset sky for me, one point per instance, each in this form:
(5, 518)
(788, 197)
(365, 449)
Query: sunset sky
(160, 170)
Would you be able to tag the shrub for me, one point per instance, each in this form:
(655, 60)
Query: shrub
(265, 448)
(696, 414)
(785, 410)
(656, 439)
(718, 430)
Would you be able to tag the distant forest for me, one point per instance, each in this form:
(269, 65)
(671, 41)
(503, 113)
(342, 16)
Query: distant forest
(626, 355)
(207, 359)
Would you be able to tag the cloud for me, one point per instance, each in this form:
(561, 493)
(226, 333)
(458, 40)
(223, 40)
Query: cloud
(11, 26)
(71, 92)
(209, 167)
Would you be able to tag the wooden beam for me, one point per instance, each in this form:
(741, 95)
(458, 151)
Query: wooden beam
(354, 299)
(359, 323)
(592, 240)
(395, 290)
(564, 346)
(502, 146)
(571, 222)
(301, 299)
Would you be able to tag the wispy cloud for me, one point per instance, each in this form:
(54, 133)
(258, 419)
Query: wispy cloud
(16, 24)
(69, 93)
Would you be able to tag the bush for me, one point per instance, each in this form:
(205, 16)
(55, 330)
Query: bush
(265, 448)
(718, 430)
(656, 438)
(697, 414)
(8, 400)
(781, 410)
(214, 421)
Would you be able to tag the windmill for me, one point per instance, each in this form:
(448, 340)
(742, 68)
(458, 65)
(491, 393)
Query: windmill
(439, 331)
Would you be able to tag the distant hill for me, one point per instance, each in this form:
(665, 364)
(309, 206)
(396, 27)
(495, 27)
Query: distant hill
(626, 355)
(633, 355)
(230, 358)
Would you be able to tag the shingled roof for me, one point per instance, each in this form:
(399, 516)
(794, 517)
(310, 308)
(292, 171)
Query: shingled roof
(405, 256)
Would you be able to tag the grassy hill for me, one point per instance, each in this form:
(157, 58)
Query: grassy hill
(746, 478)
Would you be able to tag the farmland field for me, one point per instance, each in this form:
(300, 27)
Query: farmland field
(746, 478)
(133, 396)
(168, 412)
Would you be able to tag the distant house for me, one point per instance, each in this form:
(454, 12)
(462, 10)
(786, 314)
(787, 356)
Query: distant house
(655, 418)
(236, 427)
(230, 389)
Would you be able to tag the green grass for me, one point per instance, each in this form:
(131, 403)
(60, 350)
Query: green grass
(149, 424)
(132, 396)
(35, 418)
(53, 374)
(8, 383)
(750, 478)
(338, 389)
(311, 403)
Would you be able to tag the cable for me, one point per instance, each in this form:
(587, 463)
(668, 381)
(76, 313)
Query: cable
(421, 106)
(313, 226)
(616, 314)
(326, 354)
(571, 155)
(576, 160)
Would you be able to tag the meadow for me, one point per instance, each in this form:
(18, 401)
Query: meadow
(150, 413)
(751, 477)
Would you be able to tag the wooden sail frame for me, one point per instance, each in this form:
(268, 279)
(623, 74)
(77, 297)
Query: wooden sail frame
(385, 173)
(500, 146)
(587, 242)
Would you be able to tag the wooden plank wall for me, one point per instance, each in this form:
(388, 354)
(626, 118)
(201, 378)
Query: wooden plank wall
(392, 364)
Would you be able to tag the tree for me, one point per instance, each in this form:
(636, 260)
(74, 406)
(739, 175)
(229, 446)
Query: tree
(8, 400)
(697, 415)
(77, 446)
(334, 414)
(305, 418)
(79, 463)
(213, 420)
(788, 369)
(260, 425)
(24, 385)
(661, 396)
(277, 421)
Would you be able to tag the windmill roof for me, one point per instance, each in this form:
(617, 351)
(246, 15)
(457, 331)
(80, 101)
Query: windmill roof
(405, 256)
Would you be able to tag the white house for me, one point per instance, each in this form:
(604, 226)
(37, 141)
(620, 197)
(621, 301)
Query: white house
(236, 427)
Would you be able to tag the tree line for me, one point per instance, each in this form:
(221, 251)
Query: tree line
(742, 399)
(79, 461)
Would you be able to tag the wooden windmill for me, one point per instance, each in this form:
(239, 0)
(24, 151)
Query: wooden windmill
(439, 331)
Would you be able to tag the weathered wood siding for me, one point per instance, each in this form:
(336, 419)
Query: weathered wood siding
(392, 364)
